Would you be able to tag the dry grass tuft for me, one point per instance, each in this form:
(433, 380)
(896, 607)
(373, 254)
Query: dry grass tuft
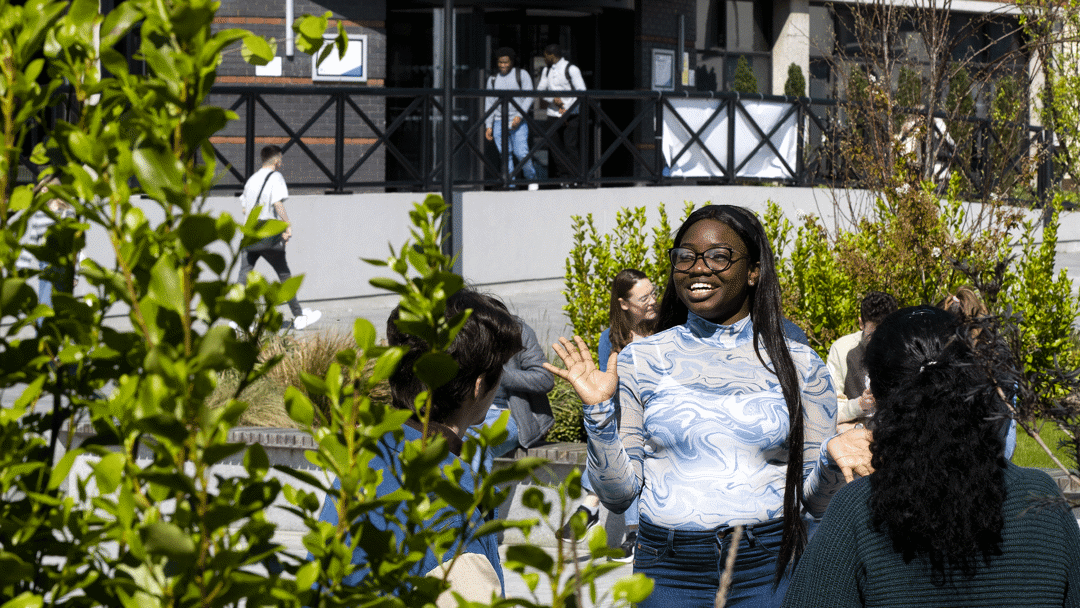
(311, 353)
(265, 398)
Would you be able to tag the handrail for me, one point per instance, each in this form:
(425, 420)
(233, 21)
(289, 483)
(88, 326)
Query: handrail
(347, 138)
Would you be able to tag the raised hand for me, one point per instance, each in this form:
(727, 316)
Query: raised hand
(850, 451)
(591, 385)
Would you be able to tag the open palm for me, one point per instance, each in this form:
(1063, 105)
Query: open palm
(591, 385)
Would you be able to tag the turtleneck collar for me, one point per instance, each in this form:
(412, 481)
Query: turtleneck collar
(729, 336)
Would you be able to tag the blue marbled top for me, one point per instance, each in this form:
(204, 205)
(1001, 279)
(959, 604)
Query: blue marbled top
(704, 429)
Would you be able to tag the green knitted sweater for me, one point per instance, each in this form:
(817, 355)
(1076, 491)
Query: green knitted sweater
(847, 563)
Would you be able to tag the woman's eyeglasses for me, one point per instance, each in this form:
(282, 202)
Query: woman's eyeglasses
(717, 259)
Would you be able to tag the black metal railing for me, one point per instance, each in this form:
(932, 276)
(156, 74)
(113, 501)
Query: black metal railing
(343, 139)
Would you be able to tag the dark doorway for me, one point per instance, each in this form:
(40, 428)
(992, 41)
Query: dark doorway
(599, 41)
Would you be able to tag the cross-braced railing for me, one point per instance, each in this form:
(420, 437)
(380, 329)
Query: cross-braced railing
(343, 139)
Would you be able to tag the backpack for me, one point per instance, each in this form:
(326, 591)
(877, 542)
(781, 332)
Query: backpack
(566, 75)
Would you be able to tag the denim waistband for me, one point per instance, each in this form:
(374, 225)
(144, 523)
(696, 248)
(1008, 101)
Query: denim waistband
(769, 526)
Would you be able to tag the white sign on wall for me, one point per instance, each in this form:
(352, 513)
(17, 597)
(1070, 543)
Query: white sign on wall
(350, 68)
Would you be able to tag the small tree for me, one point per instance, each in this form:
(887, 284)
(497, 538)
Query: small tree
(744, 81)
(795, 86)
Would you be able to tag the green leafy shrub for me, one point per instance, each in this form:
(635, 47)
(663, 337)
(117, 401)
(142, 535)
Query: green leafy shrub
(795, 85)
(1046, 304)
(744, 81)
(569, 421)
(118, 530)
(929, 248)
(596, 258)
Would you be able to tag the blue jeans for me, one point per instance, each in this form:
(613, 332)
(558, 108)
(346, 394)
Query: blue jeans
(686, 566)
(487, 458)
(45, 287)
(630, 515)
(519, 147)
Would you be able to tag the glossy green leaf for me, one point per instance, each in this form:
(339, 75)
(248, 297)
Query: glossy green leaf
(530, 555)
(107, 472)
(307, 575)
(386, 364)
(256, 462)
(158, 170)
(435, 369)
(197, 231)
(167, 285)
(299, 407)
(214, 454)
(164, 538)
(256, 50)
(364, 334)
(118, 23)
(633, 589)
(25, 599)
(60, 472)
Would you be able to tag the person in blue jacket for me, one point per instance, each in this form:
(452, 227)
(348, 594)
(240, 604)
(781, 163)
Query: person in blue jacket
(489, 338)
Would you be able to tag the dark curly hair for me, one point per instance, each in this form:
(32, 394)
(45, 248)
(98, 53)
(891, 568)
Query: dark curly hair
(765, 311)
(485, 343)
(938, 448)
(877, 305)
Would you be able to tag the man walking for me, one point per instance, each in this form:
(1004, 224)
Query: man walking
(561, 75)
(266, 190)
(511, 78)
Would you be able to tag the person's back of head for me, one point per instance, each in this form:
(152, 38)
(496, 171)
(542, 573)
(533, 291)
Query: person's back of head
(966, 303)
(270, 154)
(875, 306)
(485, 343)
(938, 448)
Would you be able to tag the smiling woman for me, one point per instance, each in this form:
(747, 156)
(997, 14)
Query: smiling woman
(722, 422)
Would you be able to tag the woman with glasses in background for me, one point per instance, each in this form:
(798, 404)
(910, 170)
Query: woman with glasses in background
(632, 316)
(724, 422)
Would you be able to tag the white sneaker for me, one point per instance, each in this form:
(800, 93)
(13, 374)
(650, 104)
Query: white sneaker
(308, 317)
(534, 187)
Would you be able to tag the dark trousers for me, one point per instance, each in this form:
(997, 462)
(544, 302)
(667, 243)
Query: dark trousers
(568, 138)
(276, 257)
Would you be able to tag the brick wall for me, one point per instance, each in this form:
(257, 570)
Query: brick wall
(658, 28)
(267, 18)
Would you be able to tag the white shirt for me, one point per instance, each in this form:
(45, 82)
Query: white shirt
(275, 191)
(559, 77)
(847, 405)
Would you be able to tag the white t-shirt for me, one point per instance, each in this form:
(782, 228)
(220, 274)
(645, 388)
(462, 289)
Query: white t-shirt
(275, 191)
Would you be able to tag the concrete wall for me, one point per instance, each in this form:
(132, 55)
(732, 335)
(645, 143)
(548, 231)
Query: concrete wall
(501, 237)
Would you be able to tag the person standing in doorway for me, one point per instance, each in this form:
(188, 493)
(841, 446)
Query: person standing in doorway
(266, 190)
(511, 78)
(561, 75)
